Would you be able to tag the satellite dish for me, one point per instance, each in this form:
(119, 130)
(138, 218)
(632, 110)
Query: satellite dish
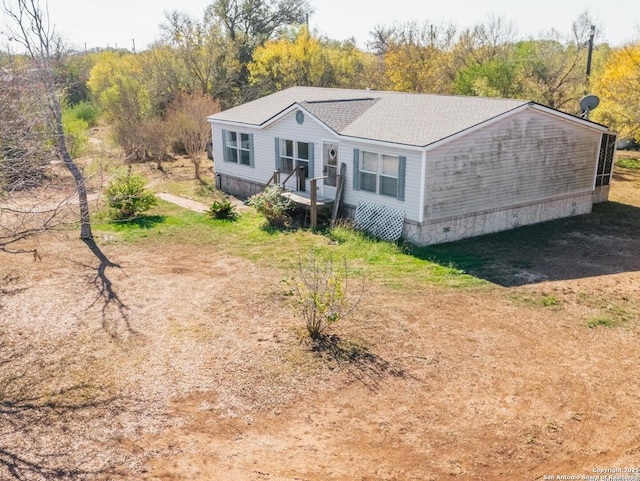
(588, 103)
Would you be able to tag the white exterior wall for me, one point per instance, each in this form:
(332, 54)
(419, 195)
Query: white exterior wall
(264, 147)
(313, 131)
(411, 203)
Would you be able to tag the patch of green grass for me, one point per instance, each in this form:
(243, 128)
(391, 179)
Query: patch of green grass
(394, 265)
(165, 219)
(601, 321)
(628, 163)
(613, 315)
(402, 265)
(551, 300)
(537, 299)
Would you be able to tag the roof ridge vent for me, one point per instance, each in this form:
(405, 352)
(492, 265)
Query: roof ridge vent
(333, 101)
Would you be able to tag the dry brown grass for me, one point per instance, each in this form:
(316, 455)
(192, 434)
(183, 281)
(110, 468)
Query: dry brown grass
(168, 361)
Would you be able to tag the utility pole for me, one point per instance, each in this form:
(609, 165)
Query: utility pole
(592, 33)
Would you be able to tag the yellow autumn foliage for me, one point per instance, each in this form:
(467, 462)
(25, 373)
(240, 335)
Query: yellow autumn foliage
(619, 90)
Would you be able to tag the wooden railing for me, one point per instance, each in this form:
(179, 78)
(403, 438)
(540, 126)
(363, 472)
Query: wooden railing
(313, 197)
(299, 177)
(339, 193)
(275, 178)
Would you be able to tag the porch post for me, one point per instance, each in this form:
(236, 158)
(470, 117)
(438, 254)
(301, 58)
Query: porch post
(314, 202)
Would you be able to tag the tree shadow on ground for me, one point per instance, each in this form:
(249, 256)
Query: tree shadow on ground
(33, 409)
(365, 366)
(602, 243)
(106, 294)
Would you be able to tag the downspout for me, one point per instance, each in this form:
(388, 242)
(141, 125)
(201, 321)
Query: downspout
(423, 186)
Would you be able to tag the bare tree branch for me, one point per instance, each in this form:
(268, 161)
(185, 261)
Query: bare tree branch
(31, 30)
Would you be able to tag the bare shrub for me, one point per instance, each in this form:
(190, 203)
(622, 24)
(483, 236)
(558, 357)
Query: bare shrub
(323, 292)
(155, 140)
(187, 118)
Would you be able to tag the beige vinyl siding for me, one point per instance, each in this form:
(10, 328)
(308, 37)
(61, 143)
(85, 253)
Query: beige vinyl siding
(527, 157)
(411, 203)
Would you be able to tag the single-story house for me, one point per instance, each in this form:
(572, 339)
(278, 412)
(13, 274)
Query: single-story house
(456, 166)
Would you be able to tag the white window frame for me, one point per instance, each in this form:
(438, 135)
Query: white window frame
(295, 158)
(379, 173)
(235, 148)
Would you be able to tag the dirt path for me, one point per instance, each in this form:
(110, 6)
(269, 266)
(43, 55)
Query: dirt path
(194, 205)
(184, 202)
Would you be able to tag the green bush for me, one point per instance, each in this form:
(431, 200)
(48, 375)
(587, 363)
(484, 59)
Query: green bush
(86, 111)
(629, 163)
(75, 132)
(222, 210)
(272, 205)
(128, 197)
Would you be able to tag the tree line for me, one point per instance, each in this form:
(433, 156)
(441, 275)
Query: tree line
(157, 100)
(241, 50)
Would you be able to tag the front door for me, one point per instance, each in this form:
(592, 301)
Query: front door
(330, 167)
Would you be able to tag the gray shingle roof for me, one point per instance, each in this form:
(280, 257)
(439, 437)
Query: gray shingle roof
(404, 118)
(339, 114)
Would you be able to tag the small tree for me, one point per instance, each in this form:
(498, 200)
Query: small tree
(323, 292)
(188, 121)
(128, 197)
(75, 130)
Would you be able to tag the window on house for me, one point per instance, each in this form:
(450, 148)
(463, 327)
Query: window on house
(291, 154)
(605, 159)
(380, 173)
(389, 172)
(369, 172)
(286, 156)
(302, 157)
(231, 147)
(244, 149)
(238, 147)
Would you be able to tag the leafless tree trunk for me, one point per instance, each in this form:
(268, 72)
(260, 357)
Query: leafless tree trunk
(25, 153)
(31, 30)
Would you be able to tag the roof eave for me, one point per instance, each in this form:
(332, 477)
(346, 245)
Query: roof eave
(568, 117)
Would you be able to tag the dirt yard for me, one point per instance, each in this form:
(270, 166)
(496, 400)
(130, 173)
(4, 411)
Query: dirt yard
(163, 361)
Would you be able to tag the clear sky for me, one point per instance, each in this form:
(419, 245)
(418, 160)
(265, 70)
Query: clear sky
(102, 23)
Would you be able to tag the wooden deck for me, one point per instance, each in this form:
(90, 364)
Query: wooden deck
(304, 199)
